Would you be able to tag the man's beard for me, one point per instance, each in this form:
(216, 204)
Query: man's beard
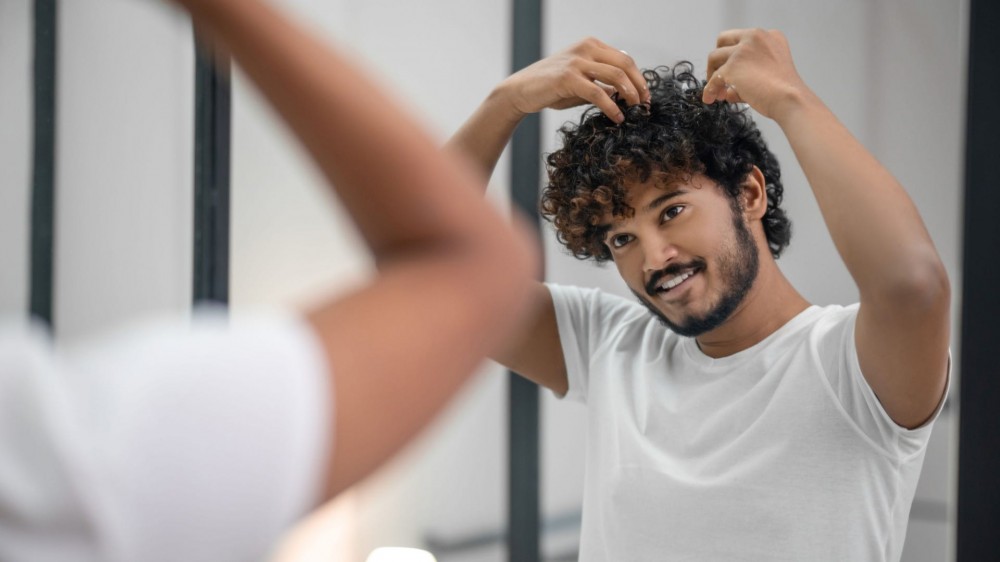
(738, 268)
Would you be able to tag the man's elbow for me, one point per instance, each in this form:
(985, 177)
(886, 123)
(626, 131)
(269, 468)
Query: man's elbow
(520, 261)
(923, 286)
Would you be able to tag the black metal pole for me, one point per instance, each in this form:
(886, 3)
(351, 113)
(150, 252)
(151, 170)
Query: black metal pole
(43, 160)
(979, 422)
(524, 513)
(213, 98)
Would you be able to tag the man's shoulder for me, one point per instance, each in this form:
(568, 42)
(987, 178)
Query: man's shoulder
(822, 325)
(827, 329)
(598, 304)
(610, 323)
(829, 317)
(592, 296)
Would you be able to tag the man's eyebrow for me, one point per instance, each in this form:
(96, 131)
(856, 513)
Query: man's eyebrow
(656, 203)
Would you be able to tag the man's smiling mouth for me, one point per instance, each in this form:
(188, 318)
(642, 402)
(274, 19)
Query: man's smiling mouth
(673, 282)
(664, 284)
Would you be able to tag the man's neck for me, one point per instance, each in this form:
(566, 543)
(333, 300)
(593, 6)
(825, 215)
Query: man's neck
(770, 304)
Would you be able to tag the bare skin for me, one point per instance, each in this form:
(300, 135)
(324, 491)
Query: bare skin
(903, 323)
(453, 274)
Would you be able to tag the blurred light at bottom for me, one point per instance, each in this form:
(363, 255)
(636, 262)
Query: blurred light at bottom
(399, 554)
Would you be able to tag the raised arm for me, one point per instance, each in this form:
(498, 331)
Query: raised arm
(587, 72)
(902, 329)
(453, 275)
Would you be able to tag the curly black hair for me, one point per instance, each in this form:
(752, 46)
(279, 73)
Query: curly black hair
(674, 136)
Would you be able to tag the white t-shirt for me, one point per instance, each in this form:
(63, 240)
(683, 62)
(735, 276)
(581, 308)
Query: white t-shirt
(193, 441)
(778, 452)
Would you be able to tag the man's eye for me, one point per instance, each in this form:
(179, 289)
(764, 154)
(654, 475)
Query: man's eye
(619, 240)
(672, 212)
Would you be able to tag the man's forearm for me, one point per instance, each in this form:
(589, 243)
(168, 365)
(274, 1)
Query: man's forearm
(872, 220)
(482, 138)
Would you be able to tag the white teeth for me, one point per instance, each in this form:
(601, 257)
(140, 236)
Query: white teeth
(671, 283)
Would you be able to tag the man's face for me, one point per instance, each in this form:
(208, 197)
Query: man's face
(686, 253)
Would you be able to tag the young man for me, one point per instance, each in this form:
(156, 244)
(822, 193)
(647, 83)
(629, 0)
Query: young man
(729, 419)
(205, 442)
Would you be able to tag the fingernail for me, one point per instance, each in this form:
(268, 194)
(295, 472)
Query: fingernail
(619, 118)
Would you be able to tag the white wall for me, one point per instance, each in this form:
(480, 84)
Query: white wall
(15, 154)
(123, 164)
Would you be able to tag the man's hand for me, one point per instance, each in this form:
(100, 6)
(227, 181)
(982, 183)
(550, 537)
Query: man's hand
(588, 72)
(754, 66)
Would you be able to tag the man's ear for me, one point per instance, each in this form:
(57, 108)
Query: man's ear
(754, 195)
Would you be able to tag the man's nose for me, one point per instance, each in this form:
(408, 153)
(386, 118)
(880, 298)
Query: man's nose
(657, 252)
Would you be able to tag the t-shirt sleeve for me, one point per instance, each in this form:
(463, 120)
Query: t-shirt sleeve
(207, 439)
(835, 340)
(589, 320)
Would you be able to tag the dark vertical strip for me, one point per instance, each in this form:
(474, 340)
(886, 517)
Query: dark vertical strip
(211, 176)
(43, 165)
(979, 422)
(523, 523)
